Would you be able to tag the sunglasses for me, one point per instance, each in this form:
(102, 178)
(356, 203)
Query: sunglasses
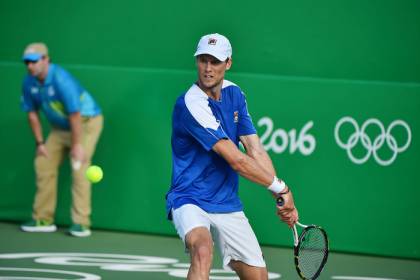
(29, 61)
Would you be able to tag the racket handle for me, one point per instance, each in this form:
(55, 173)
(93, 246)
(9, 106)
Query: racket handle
(280, 201)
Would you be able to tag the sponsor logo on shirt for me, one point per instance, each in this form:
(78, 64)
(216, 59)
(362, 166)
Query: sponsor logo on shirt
(34, 90)
(235, 116)
(51, 91)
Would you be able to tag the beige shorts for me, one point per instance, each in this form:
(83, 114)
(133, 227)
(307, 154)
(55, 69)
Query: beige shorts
(231, 232)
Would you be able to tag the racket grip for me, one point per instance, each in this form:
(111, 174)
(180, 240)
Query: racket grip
(280, 201)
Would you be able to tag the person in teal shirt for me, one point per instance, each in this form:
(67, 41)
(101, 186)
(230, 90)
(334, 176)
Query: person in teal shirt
(76, 124)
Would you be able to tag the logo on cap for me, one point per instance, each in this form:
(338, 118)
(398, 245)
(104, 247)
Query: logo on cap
(30, 50)
(212, 41)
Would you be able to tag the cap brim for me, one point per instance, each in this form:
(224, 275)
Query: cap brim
(32, 56)
(216, 55)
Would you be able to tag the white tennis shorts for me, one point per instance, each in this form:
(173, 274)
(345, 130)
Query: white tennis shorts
(231, 232)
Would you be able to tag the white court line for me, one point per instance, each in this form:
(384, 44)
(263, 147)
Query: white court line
(360, 278)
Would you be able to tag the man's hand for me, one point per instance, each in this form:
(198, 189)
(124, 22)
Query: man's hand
(288, 212)
(77, 152)
(41, 150)
(77, 155)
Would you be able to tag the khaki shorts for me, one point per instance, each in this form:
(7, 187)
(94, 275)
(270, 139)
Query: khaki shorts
(231, 232)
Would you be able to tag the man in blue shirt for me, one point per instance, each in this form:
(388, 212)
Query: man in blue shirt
(76, 124)
(208, 122)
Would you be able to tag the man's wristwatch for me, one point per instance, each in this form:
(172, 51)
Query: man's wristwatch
(280, 199)
(39, 143)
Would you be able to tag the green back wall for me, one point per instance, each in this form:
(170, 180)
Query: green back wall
(304, 66)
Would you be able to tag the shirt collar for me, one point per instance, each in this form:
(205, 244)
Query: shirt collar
(49, 78)
(201, 92)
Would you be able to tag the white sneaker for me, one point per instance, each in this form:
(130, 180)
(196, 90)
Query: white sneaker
(38, 226)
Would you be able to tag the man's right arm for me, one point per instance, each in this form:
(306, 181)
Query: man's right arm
(36, 127)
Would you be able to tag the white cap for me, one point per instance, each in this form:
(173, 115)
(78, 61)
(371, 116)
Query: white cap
(35, 51)
(216, 45)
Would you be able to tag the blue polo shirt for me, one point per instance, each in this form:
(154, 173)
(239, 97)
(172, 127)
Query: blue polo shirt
(59, 96)
(199, 175)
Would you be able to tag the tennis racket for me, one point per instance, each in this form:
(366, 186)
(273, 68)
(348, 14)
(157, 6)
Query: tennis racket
(310, 249)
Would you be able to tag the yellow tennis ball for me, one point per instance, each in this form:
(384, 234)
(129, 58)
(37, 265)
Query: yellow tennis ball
(94, 173)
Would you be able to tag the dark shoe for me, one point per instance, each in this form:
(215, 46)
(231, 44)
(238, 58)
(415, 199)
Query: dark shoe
(79, 230)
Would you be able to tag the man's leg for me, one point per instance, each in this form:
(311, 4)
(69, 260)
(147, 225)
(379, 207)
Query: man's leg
(247, 272)
(81, 189)
(200, 245)
(46, 170)
(193, 226)
(238, 245)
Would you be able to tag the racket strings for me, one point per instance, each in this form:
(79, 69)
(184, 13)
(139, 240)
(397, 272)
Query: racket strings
(312, 251)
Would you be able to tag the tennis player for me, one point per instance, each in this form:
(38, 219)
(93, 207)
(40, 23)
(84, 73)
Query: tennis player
(208, 122)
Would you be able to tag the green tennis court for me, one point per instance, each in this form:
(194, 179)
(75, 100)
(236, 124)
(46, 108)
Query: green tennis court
(121, 255)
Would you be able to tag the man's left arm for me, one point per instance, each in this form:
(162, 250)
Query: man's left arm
(250, 139)
(70, 94)
(77, 152)
(255, 150)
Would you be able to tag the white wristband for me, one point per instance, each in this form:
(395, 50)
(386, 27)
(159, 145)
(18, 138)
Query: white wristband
(277, 186)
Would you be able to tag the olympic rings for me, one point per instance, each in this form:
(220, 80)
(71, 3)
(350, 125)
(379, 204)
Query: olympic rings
(372, 146)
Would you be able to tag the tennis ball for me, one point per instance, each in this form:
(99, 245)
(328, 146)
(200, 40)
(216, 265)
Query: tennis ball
(94, 173)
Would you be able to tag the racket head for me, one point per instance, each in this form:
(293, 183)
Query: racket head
(311, 252)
